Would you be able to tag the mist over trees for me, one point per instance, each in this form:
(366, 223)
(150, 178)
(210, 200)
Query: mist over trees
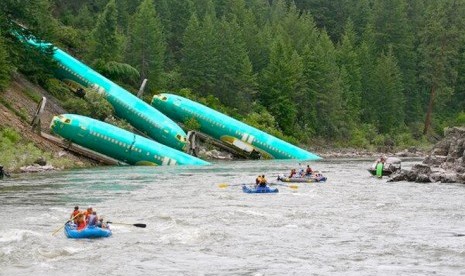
(349, 72)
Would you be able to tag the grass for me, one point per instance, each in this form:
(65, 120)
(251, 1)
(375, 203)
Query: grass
(16, 152)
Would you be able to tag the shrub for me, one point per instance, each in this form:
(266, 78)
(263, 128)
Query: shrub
(192, 124)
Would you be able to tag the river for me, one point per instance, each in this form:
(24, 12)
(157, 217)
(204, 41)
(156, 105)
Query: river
(353, 224)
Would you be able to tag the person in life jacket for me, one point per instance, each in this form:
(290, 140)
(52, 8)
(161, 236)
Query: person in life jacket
(92, 220)
(293, 172)
(81, 222)
(258, 180)
(263, 181)
(87, 213)
(101, 224)
(308, 171)
(74, 214)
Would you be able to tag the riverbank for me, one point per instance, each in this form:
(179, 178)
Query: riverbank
(33, 153)
(23, 147)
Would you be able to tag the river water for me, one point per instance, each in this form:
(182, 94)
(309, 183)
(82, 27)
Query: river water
(353, 224)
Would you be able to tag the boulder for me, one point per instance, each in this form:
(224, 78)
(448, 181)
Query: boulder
(445, 163)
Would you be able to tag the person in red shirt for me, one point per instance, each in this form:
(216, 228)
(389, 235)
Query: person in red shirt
(74, 214)
(309, 171)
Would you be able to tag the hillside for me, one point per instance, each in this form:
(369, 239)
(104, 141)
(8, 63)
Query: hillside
(18, 104)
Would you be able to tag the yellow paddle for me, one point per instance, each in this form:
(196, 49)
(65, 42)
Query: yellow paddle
(225, 185)
(61, 227)
(295, 187)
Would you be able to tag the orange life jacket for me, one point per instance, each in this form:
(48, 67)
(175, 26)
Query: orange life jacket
(81, 225)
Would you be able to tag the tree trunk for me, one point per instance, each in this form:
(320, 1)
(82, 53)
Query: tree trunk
(430, 110)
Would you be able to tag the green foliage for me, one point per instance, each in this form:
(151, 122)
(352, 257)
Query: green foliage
(100, 108)
(280, 83)
(9, 136)
(460, 119)
(263, 120)
(5, 66)
(57, 88)
(120, 72)
(106, 43)
(192, 124)
(93, 105)
(390, 100)
(324, 70)
(76, 105)
(146, 45)
(33, 95)
(21, 113)
(16, 152)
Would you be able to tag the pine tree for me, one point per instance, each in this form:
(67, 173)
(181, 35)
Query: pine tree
(180, 13)
(325, 88)
(349, 63)
(389, 105)
(235, 82)
(199, 55)
(281, 81)
(392, 29)
(106, 41)
(439, 52)
(147, 46)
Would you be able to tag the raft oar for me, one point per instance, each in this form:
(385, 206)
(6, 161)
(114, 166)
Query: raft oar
(285, 185)
(141, 225)
(225, 185)
(61, 227)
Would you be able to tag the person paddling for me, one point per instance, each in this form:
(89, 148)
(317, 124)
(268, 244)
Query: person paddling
(258, 180)
(293, 172)
(74, 214)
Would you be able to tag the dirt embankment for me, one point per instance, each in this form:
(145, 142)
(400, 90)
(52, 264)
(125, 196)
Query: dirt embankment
(18, 107)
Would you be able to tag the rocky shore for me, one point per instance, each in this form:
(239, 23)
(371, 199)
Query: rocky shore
(445, 163)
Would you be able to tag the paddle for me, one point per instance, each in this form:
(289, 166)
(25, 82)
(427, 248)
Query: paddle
(225, 185)
(61, 227)
(141, 225)
(285, 185)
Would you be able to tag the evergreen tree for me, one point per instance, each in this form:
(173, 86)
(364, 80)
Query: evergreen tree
(439, 51)
(281, 81)
(457, 102)
(199, 55)
(106, 41)
(235, 82)
(389, 105)
(147, 46)
(325, 88)
(350, 71)
(299, 27)
(392, 29)
(367, 57)
(180, 13)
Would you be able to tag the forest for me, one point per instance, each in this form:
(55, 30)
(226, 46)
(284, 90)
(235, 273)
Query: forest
(349, 73)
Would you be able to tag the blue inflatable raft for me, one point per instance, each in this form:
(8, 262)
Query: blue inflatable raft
(259, 190)
(92, 232)
(304, 179)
